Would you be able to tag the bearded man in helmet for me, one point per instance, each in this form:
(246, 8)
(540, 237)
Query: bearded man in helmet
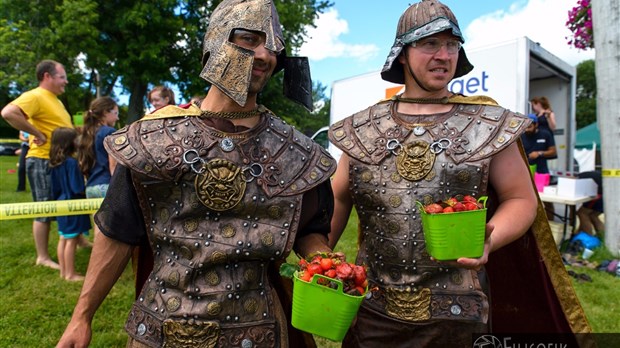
(221, 192)
(426, 145)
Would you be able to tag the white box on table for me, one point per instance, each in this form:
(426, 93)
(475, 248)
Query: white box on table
(575, 187)
(550, 190)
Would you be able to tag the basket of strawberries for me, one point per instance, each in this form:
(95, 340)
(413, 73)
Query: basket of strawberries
(454, 227)
(327, 293)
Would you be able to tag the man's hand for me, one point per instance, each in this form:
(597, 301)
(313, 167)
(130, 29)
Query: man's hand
(76, 335)
(39, 140)
(475, 264)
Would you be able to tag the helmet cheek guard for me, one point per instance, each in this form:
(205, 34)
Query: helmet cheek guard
(233, 82)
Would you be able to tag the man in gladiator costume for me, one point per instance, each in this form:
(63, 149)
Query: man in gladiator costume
(425, 145)
(222, 192)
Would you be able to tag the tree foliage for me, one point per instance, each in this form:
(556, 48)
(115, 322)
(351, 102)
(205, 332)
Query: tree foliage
(586, 93)
(130, 46)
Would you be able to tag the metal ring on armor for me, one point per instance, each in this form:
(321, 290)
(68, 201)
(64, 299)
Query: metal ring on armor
(440, 145)
(255, 170)
(193, 160)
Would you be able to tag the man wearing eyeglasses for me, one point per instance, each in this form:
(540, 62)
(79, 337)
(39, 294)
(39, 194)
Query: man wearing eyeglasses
(428, 145)
(220, 192)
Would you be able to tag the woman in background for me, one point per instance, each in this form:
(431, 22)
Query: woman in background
(161, 96)
(95, 163)
(546, 116)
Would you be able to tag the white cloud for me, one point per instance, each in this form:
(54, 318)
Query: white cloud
(324, 42)
(543, 21)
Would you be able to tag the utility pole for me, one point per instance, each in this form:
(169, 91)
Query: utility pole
(606, 19)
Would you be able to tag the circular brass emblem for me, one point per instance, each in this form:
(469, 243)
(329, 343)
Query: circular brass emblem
(214, 308)
(395, 201)
(463, 176)
(326, 162)
(415, 160)
(274, 212)
(173, 278)
(120, 140)
(218, 257)
(190, 225)
(173, 304)
(228, 231)
(250, 275)
(393, 227)
(221, 186)
(212, 278)
(150, 295)
(366, 176)
(266, 239)
(164, 214)
(250, 306)
(395, 177)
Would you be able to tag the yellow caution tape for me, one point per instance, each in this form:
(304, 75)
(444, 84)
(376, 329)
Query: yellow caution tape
(611, 173)
(49, 208)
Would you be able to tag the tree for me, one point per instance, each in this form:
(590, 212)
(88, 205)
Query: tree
(586, 93)
(131, 44)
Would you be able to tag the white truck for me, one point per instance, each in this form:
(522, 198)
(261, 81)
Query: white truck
(511, 72)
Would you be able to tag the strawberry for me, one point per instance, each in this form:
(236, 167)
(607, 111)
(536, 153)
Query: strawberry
(344, 270)
(305, 276)
(471, 206)
(314, 268)
(359, 274)
(468, 198)
(459, 207)
(448, 210)
(326, 263)
(331, 273)
(433, 208)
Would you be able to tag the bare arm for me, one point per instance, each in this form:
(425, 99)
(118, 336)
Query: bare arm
(18, 120)
(517, 200)
(551, 119)
(312, 243)
(342, 200)
(107, 262)
(517, 208)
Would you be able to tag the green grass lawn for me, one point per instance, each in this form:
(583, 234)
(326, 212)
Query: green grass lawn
(36, 304)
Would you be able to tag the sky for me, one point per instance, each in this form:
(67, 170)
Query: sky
(354, 37)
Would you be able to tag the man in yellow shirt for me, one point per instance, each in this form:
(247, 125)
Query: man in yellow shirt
(38, 112)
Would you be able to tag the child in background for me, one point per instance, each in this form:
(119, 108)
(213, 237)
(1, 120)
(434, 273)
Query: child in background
(67, 183)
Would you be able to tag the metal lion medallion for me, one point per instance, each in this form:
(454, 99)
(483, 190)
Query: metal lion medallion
(415, 160)
(220, 186)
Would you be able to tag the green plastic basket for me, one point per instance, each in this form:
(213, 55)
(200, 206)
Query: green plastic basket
(449, 236)
(321, 310)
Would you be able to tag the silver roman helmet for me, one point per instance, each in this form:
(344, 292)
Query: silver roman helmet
(229, 67)
(420, 20)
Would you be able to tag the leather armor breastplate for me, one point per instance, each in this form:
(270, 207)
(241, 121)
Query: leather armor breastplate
(392, 166)
(218, 208)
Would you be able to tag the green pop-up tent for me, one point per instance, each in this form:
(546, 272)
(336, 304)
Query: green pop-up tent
(588, 135)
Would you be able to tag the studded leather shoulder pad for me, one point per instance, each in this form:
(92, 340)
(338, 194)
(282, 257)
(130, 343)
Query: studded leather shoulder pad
(475, 132)
(290, 163)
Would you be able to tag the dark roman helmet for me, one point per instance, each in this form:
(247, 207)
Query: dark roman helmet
(229, 67)
(420, 20)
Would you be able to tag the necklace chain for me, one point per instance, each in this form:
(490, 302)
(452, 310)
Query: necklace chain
(400, 98)
(233, 114)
